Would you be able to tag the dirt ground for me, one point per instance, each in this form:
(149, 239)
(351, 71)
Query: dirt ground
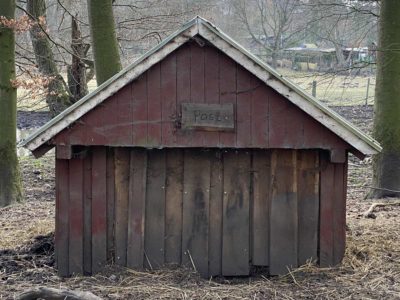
(370, 269)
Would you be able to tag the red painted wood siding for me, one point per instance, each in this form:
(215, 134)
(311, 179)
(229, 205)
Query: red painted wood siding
(146, 112)
(224, 209)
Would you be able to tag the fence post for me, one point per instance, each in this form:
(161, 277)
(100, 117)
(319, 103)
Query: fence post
(314, 88)
(367, 95)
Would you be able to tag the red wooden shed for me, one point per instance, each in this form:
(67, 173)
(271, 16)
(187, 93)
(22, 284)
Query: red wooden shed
(199, 154)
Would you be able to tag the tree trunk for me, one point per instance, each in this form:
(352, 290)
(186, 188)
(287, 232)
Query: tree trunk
(77, 80)
(387, 102)
(10, 184)
(104, 42)
(57, 97)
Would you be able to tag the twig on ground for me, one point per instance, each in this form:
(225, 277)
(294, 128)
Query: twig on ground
(191, 260)
(148, 260)
(370, 212)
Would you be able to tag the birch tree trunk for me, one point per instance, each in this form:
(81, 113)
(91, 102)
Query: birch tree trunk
(10, 185)
(104, 41)
(387, 102)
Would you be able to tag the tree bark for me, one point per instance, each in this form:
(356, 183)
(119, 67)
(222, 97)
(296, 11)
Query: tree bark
(104, 42)
(10, 184)
(57, 97)
(387, 102)
(77, 77)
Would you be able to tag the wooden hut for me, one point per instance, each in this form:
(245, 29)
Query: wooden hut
(199, 154)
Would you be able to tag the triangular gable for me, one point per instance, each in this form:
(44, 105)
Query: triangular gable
(198, 26)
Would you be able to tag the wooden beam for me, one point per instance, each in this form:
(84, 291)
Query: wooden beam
(63, 151)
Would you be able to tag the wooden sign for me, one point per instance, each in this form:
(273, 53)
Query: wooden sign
(212, 117)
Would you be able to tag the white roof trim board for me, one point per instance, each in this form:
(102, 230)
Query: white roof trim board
(203, 28)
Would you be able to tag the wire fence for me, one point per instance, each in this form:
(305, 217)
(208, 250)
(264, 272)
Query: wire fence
(337, 90)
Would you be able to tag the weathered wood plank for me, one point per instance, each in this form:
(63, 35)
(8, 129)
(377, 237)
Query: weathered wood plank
(196, 210)
(283, 221)
(173, 206)
(63, 151)
(285, 122)
(136, 211)
(155, 208)
(183, 66)
(110, 203)
(87, 214)
(261, 207)
(326, 196)
(236, 210)
(99, 208)
(211, 93)
(260, 115)
(168, 99)
(122, 158)
(154, 129)
(109, 123)
(308, 205)
(62, 217)
(227, 90)
(245, 87)
(117, 118)
(339, 214)
(75, 216)
(139, 111)
(215, 215)
(197, 87)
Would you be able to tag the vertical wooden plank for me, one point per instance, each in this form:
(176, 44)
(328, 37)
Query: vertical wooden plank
(168, 99)
(99, 208)
(183, 66)
(285, 122)
(122, 159)
(197, 78)
(110, 203)
(211, 68)
(136, 212)
(236, 210)
(245, 86)
(215, 219)
(154, 106)
(308, 205)
(139, 110)
(62, 216)
(173, 206)
(155, 208)
(196, 210)
(260, 115)
(87, 214)
(75, 216)
(339, 214)
(227, 89)
(283, 221)
(112, 121)
(326, 198)
(261, 206)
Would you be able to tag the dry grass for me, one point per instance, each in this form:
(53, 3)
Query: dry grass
(335, 89)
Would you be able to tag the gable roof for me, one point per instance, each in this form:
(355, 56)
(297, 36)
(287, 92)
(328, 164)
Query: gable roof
(201, 27)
